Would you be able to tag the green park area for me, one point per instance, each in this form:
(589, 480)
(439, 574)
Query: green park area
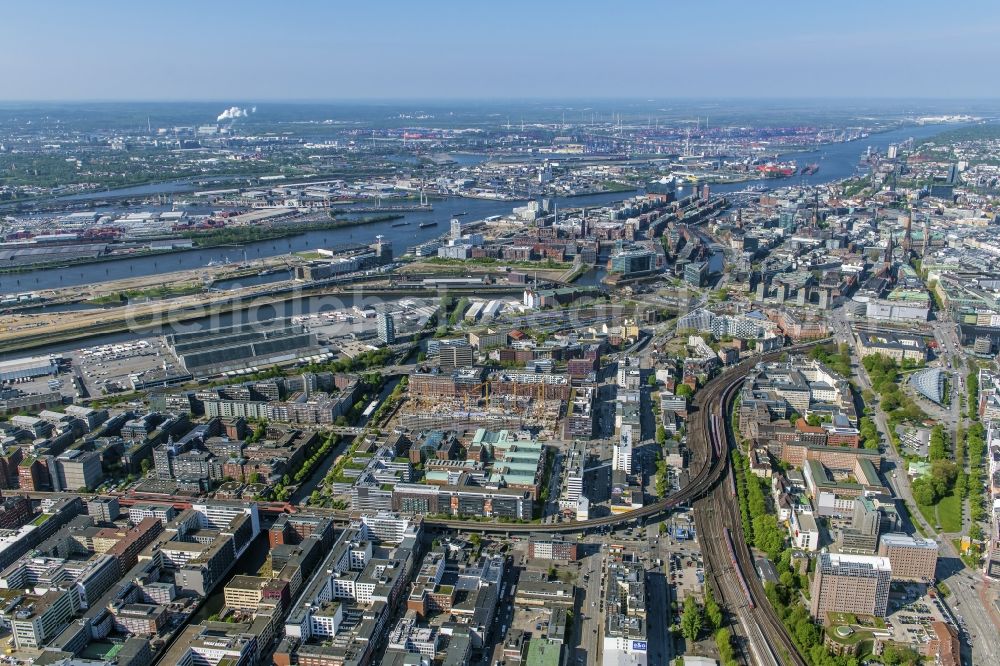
(947, 513)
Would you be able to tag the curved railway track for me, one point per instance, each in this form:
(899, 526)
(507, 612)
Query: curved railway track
(728, 556)
(733, 570)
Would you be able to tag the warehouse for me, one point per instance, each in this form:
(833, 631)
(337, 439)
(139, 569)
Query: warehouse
(26, 368)
(243, 346)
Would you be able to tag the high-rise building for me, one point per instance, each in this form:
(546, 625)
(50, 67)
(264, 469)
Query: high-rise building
(622, 459)
(456, 228)
(862, 535)
(386, 328)
(77, 469)
(856, 584)
(912, 558)
(454, 354)
(953, 174)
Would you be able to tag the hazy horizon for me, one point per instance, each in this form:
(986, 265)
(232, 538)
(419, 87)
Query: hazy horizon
(313, 51)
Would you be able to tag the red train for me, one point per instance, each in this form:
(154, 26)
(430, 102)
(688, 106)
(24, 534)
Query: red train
(736, 568)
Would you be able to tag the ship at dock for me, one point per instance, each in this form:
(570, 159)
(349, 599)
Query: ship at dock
(776, 169)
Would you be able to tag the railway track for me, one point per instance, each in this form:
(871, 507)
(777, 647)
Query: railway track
(717, 507)
(728, 556)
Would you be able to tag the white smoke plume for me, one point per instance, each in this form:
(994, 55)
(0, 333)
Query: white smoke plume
(234, 112)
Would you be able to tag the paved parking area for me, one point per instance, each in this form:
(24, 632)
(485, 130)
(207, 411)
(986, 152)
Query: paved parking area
(108, 368)
(911, 613)
(687, 575)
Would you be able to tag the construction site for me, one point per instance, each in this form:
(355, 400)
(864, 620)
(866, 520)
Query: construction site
(502, 401)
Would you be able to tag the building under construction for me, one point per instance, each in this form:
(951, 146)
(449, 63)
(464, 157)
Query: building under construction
(466, 399)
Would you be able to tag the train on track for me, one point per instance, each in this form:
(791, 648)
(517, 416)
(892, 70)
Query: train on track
(737, 570)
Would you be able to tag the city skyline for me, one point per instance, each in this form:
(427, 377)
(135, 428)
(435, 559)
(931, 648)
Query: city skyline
(525, 52)
(553, 333)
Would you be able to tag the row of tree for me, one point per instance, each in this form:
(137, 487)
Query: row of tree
(696, 617)
(869, 433)
(884, 374)
(760, 525)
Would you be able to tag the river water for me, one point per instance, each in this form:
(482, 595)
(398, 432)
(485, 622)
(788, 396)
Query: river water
(836, 161)
(401, 237)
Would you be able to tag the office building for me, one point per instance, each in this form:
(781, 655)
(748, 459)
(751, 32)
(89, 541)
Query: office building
(386, 328)
(912, 558)
(553, 547)
(212, 644)
(632, 263)
(856, 584)
(103, 509)
(78, 470)
(696, 273)
(35, 619)
(898, 346)
(622, 459)
(453, 354)
(625, 621)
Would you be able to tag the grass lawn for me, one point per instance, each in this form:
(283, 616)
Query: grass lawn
(310, 255)
(947, 513)
(929, 513)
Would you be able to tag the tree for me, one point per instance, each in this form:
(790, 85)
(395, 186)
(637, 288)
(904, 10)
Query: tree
(899, 656)
(923, 491)
(723, 641)
(788, 579)
(651, 380)
(813, 420)
(943, 475)
(684, 391)
(937, 449)
(691, 620)
(145, 466)
(256, 477)
(661, 435)
(713, 614)
(768, 536)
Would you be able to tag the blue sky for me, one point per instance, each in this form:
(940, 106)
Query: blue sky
(184, 50)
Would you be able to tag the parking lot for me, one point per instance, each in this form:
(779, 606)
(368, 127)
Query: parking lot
(687, 575)
(911, 614)
(109, 368)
